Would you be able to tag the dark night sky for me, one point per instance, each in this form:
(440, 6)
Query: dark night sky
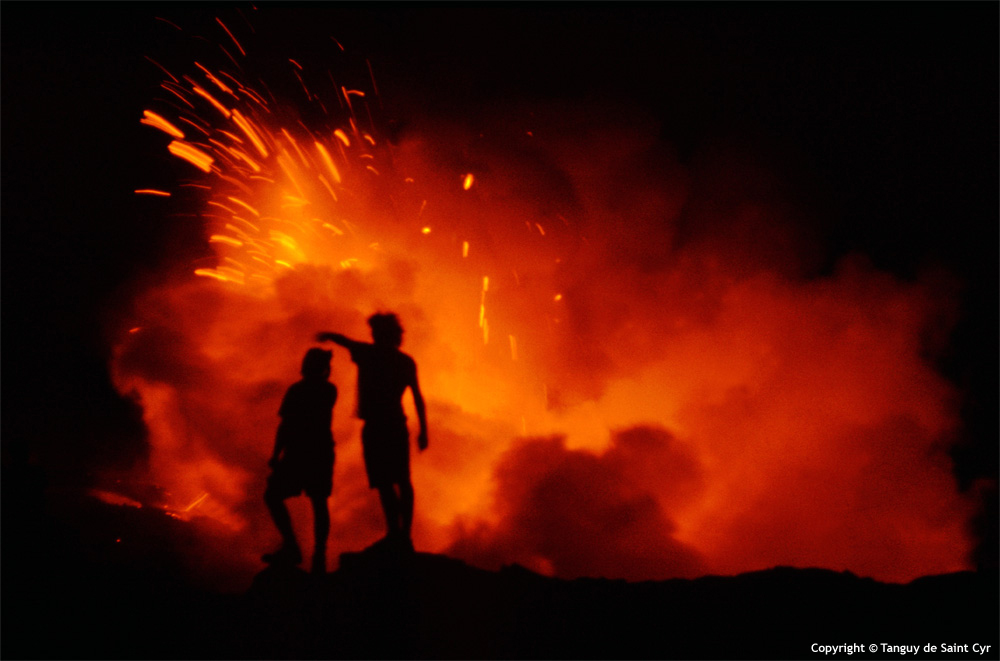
(884, 114)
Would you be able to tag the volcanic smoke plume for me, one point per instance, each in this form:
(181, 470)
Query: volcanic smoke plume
(631, 369)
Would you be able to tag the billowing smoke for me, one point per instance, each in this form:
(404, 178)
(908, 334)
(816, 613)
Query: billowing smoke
(632, 369)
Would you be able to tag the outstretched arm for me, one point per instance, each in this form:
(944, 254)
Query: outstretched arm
(337, 338)
(418, 402)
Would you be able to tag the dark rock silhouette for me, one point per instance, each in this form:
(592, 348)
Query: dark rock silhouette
(77, 593)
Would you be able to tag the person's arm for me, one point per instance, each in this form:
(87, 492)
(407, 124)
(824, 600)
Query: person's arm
(337, 338)
(281, 434)
(418, 402)
(279, 446)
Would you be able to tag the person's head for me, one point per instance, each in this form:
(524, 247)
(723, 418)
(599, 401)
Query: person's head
(386, 329)
(316, 364)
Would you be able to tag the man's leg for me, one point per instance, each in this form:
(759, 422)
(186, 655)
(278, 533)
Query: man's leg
(282, 520)
(321, 528)
(406, 507)
(390, 507)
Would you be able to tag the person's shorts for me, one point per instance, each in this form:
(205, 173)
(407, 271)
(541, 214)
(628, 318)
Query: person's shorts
(312, 475)
(386, 446)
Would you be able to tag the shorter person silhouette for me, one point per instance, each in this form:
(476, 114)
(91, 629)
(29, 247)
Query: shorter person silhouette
(302, 460)
(384, 374)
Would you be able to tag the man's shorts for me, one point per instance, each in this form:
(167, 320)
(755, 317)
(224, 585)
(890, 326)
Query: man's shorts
(386, 446)
(294, 475)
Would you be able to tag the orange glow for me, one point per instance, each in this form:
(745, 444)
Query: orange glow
(731, 417)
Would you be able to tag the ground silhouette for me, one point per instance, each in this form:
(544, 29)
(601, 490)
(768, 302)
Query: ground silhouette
(381, 603)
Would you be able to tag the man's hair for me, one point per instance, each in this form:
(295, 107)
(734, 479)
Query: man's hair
(386, 329)
(316, 363)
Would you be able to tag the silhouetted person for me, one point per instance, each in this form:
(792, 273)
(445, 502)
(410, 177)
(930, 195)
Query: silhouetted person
(384, 374)
(303, 458)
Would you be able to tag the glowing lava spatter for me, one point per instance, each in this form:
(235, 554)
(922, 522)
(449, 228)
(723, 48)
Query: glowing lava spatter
(650, 409)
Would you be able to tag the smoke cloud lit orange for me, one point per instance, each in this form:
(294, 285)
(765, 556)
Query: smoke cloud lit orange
(629, 371)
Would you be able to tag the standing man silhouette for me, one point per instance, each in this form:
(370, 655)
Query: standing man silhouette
(303, 459)
(384, 374)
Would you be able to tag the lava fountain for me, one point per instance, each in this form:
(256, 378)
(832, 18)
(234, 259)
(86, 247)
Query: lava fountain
(607, 395)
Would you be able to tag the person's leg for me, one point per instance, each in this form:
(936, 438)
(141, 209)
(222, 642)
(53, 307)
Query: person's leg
(406, 507)
(390, 507)
(321, 527)
(282, 520)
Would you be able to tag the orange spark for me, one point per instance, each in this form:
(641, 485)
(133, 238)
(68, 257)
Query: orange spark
(221, 206)
(193, 125)
(218, 83)
(165, 86)
(467, 183)
(249, 161)
(465, 248)
(283, 163)
(192, 155)
(342, 137)
(197, 501)
(235, 276)
(374, 84)
(232, 136)
(231, 36)
(167, 22)
(151, 191)
(326, 184)
(247, 128)
(150, 118)
(161, 68)
(426, 230)
(244, 205)
(302, 157)
(220, 238)
(211, 99)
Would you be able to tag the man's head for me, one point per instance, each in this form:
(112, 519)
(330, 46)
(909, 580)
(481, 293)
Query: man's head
(316, 364)
(386, 329)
